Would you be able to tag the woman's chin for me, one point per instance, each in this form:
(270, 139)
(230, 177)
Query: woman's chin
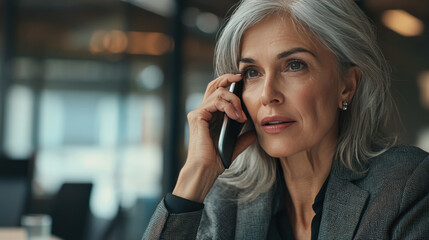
(277, 152)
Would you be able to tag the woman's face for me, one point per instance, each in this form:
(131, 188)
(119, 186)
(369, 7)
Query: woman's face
(292, 88)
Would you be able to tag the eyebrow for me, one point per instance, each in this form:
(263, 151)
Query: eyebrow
(281, 55)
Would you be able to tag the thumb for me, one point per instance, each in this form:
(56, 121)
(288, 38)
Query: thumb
(243, 142)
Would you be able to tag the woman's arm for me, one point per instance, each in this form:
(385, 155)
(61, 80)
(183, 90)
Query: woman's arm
(166, 225)
(203, 165)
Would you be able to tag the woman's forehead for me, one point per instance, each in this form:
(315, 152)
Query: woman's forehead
(281, 31)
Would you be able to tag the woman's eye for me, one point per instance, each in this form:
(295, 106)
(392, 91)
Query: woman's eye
(251, 73)
(296, 66)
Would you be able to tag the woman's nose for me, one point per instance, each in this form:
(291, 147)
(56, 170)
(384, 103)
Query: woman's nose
(271, 93)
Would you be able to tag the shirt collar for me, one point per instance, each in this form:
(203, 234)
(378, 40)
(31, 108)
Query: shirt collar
(279, 201)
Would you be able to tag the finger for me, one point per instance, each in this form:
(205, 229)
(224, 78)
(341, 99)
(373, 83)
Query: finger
(225, 95)
(243, 142)
(230, 110)
(223, 81)
(225, 101)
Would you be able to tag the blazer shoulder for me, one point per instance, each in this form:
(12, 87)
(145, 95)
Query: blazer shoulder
(407, 151)
(400, 157)
(398, 191)
(396, 167)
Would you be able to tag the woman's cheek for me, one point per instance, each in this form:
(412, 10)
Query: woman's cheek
(250, 99)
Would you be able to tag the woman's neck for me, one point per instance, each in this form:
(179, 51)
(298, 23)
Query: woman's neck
(304, 174)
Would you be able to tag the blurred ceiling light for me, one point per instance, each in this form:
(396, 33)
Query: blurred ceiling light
(105, 42)
(423, 81)
(95, 45)
(402, 22)
(164, 8)
(151, 43)
(207, 22)
(118, 41)
(114, 41)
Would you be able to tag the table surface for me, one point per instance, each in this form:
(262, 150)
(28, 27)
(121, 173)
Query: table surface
(8, 233)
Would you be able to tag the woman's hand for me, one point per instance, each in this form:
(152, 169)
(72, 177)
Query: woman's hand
(203, 164)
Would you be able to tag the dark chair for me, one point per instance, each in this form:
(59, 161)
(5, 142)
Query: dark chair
(16, 176)
(71, 211)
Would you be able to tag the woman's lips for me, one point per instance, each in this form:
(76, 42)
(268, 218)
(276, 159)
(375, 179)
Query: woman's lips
(276, 124)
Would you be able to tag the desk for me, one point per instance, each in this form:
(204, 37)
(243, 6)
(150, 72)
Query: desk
(17, 233)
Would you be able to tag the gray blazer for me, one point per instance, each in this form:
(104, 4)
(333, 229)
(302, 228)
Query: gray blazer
(389, 201)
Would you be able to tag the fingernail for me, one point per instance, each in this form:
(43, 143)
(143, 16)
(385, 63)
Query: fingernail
(237, 114)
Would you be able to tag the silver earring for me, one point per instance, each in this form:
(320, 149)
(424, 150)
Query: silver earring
(345, 105)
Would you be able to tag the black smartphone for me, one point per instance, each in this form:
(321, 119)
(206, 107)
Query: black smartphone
(230, 129)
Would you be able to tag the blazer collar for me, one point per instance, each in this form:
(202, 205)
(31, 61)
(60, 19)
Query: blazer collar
(342, 208)
(342, 172)
(343, 205)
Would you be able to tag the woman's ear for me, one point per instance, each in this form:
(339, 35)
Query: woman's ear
(351, 79)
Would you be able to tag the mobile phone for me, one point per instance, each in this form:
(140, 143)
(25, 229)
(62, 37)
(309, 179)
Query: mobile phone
(230, 129)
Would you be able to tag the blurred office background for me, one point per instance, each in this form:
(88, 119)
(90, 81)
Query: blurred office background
(94, 96)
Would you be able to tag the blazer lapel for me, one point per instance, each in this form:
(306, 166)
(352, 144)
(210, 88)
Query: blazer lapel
(253, 218)
(343, 205)
(342, 209)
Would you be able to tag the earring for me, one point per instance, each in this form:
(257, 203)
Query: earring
(345, 105)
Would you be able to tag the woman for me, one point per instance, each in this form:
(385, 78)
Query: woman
(318, 159)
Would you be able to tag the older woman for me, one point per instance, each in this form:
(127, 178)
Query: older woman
(318, 160)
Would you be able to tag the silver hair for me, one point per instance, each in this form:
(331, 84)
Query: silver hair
(344, 29)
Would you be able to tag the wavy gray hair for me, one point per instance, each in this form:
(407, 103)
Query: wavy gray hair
(343, 28)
